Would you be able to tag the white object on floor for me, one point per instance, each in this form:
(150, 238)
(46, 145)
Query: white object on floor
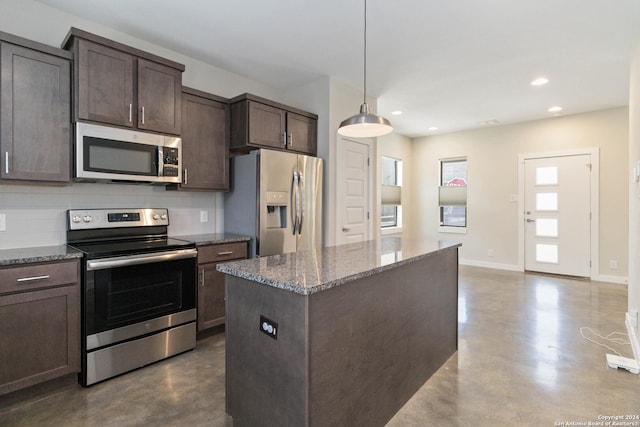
(616, 362)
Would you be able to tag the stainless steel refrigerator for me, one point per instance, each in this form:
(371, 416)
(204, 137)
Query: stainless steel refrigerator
(276, 199)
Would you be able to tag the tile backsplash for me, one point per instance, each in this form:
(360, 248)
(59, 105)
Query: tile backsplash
(36, 215)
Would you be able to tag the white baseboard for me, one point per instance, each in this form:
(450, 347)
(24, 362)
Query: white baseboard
(633, 337)
(620, 280)
(496, 265)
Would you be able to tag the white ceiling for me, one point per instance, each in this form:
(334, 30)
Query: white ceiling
(450, 64)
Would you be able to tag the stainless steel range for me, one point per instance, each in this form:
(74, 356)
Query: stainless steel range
(138, 290)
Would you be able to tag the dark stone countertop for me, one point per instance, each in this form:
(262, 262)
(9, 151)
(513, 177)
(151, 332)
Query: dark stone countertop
(308, 272)
(18, 256)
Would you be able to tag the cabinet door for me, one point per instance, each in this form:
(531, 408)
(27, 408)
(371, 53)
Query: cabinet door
(267, 125)
(105, 85)
(159, 97)
(302, 133)
(211, 294)
(205, 143)
(35, 120)
(39, 336)
(211, 309)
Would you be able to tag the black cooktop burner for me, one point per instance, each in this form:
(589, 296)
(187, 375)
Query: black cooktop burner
(128, 247)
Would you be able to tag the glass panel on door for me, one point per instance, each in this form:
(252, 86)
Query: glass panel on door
(546, 201)
(547, 227)
(546, 253)
(547, 175)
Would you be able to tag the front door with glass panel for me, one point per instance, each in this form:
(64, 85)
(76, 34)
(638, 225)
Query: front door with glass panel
(557, 215)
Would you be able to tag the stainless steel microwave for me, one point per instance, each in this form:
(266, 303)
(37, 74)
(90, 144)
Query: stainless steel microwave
(110, 154)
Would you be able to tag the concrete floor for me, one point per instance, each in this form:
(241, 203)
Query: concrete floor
(521, 361)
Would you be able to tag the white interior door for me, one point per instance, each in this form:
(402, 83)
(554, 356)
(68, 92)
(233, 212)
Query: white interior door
(558, 215)
(353, 177)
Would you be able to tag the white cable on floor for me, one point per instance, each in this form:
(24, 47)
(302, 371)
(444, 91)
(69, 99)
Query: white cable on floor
(607, 338)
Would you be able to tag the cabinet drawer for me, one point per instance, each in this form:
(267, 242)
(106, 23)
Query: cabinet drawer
(19, 279)
(222, 252)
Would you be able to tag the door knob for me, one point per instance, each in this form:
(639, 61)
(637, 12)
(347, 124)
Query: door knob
(531, 220)
(345, 229)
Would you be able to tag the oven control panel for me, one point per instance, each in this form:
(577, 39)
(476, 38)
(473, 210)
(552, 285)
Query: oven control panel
(89, 219)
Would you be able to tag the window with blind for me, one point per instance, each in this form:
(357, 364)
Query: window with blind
(391, 209)
(452, 193)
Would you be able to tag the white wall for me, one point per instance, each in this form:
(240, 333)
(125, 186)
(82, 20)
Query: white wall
(492, 155)
(634, 196)
(36, 214)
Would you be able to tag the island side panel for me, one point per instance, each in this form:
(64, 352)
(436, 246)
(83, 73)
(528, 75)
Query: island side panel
(375, 342)
(266, 378)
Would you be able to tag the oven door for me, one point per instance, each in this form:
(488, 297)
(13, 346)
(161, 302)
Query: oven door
(130, 296)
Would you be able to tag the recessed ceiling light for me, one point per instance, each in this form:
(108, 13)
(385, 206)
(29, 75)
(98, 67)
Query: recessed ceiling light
(433, 128)
(396, 113)
(540, 81)
(555, 109)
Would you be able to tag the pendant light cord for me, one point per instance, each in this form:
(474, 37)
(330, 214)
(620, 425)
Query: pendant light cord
(365, 52)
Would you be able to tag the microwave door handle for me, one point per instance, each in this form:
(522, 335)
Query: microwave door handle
(159, 168)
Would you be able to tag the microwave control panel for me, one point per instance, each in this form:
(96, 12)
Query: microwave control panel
(170, 162)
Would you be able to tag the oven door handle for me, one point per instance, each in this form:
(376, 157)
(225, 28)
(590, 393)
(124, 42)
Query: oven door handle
(128, 260)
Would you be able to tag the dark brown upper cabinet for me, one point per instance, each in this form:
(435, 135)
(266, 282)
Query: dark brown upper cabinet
(205, 142)
(122, 86)
(260, 123)
(35, 111)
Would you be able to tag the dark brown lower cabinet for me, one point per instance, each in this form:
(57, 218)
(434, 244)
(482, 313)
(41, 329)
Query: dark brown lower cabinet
(211, 295)
(39, 324)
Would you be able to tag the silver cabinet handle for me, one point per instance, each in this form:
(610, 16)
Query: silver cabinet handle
(202, 281)
(531, 220)
(225, 253)
(30, 279)
(6, 162)
(290, 144)
(186, 176)
(284, 138)
(130, 113)
(345, 229)
(143, 114)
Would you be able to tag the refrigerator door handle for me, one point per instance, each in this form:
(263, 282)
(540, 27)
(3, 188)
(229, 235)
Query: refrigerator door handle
(301, 207)
(294, 202)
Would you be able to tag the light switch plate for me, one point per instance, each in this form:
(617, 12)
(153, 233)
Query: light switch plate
(204, 216)
(3, 222)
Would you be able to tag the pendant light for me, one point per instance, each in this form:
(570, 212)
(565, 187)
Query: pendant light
(365, 124)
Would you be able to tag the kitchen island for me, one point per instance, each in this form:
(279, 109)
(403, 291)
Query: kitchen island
(343, 335)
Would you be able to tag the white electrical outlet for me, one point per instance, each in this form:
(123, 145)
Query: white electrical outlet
(613, 265)
(490, 253)
(3, 222)
(204, 216)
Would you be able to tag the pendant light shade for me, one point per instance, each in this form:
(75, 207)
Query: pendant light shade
(365, 124)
